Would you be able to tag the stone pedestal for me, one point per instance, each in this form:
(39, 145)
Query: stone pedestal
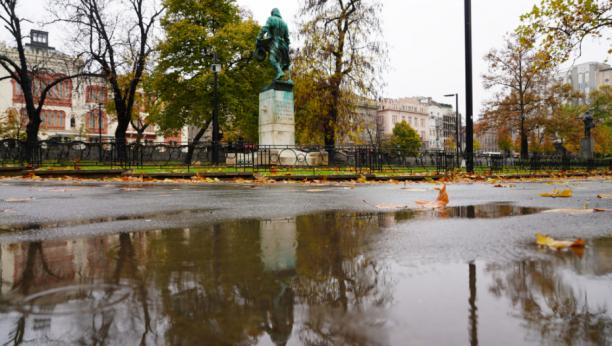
(587, 148)
(276, 117)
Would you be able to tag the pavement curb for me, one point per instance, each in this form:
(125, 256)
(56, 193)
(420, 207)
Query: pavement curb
(11, 171)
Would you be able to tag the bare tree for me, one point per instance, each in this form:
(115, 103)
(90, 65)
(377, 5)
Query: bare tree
(37, 75)
(116, 37)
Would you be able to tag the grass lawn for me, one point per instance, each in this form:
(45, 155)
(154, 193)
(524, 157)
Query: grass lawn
(291, 170)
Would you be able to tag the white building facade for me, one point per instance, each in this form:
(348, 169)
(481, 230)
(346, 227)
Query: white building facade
(393, 111)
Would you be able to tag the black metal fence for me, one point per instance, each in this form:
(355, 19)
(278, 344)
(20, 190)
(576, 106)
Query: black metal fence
(249, 156)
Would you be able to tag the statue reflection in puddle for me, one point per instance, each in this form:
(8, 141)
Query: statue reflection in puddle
(278, 241)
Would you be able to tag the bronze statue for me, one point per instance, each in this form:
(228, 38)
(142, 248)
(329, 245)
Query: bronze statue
(588, 124)
(276, 45)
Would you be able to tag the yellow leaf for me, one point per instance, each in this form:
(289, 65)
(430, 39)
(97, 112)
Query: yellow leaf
(604, 196)
(558, 244)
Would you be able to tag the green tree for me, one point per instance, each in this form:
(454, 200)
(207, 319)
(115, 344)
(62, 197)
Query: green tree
(477, 145)
(342, 58)
(560, 27)
(183, 80)
(405, 138)
(601, 104)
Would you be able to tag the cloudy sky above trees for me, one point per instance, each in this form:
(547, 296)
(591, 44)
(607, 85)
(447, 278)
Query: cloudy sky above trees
(426, 41)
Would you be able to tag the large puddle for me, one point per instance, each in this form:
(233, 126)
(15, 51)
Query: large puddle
(309, 280)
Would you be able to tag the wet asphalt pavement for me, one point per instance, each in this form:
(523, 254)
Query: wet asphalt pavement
(105, 209)
(326, 267)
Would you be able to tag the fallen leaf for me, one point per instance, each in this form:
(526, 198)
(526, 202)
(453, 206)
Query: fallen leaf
(7, 211)
(604, 196)
(498, 185)
(558, 244)
(387, 206)
(20, 199)
(556, 193)
(318, 190)
(440, 202)
(576, 211)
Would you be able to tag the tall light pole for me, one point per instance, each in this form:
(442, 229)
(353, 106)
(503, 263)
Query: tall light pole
(469, 107)
(100, 129)
(215, 135)
(456, 121)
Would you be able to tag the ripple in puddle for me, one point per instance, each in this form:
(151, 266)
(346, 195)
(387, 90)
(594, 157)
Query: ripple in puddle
(73, 300)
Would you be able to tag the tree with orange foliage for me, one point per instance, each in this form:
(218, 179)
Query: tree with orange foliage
(520, 102)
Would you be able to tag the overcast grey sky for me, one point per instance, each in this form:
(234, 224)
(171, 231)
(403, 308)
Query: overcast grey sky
(426, 40)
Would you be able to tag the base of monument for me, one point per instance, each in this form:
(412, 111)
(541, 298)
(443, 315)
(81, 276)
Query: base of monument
(587, 148)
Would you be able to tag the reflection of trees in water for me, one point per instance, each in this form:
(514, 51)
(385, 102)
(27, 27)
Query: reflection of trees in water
(227, 284)
(343, 287)
(224, 285)
(550, 305)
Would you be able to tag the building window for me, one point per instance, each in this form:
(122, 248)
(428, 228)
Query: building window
(17, 88)
(72, 121)
(395, 119)
(403, 118)
(66, 91)
(96, 94)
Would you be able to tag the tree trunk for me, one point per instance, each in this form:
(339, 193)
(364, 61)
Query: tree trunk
(524, 143)
(195, 140)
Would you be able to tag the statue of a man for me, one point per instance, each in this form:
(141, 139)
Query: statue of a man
(588, 124)
(276, 44)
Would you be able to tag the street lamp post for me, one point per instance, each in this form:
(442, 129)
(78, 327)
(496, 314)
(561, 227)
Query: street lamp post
(215, 135)
(100, 123)
(469, 107)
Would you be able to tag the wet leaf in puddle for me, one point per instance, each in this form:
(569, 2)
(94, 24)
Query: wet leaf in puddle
(558, 244)
(387, 206)
(439, 203)
(20, 199)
